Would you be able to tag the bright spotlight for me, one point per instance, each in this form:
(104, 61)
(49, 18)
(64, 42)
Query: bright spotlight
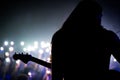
(48, 71)
(1, 48)
(11, 43)
(22, 43)
(47, 50)
(11, 49)
(18, 62)
(24, 49)
(43, 44)
(48, 44)
(30, 48)
(7, 60)
(7, 54)
(36, 44)
(30, 74)
(6, 43)
(41, 51)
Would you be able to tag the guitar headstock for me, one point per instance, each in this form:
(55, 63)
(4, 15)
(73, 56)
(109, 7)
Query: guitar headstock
(23, 57)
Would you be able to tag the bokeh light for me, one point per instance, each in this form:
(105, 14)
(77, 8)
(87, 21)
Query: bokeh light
(37, 49)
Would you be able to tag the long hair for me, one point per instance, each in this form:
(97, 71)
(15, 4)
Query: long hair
(84, 12)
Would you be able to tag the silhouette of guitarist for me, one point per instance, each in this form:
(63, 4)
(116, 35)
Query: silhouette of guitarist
(82, 47)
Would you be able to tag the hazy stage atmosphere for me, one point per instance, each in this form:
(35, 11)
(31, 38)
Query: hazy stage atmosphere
(28, 26)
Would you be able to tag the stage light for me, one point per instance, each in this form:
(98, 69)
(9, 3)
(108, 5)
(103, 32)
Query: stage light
(41, 51)
(30, 74)
(6, 43)
(22, 43)
(43, 44)
(48, 44)
(1, 48)
(11, 49)
(7, 60)
(35, 44)
(47, 50)
(18, 62)
(12, 43)
(30, 48)
(7, 54)
(24, 49)
(48, 71)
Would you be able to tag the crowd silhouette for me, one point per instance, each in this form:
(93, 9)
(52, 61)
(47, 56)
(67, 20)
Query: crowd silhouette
(82, 47)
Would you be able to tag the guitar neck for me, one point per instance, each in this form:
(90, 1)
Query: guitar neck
(41, 62)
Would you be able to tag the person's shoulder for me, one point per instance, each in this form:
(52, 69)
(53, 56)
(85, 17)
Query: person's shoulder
(57, 35)
(111, 34)
(107, 31)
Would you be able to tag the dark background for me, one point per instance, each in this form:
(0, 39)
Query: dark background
(38, 19)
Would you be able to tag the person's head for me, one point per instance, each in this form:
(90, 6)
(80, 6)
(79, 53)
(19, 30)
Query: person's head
(86, 12)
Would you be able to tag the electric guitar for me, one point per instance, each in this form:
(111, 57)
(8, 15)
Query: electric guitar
(26, 58)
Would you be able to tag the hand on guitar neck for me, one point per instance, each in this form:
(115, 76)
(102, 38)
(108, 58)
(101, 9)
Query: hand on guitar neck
(26, 58)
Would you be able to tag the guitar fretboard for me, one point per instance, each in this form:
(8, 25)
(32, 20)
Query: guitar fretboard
(41, 62)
